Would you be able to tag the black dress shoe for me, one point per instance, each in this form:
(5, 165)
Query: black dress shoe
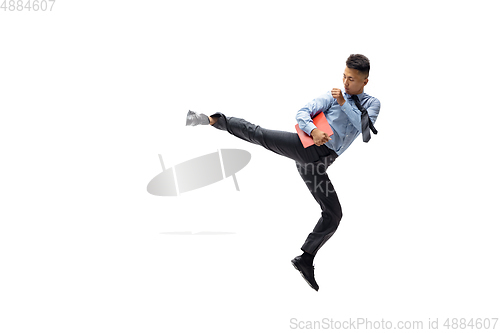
(306, 270)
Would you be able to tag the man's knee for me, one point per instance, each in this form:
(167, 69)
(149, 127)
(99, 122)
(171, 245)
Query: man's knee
(322, 185)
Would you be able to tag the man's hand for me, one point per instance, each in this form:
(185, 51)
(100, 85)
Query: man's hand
(337, 94)
(319, 137)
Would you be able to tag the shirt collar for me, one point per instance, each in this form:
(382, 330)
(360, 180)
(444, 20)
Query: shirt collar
(360, 96)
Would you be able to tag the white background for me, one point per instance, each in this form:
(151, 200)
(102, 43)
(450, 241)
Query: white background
(93, 91)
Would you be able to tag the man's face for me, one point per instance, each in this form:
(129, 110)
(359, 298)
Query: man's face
(353, 81)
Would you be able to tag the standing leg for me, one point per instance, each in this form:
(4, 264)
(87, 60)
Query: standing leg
(320, 186)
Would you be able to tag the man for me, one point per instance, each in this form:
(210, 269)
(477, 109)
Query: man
(349, 111)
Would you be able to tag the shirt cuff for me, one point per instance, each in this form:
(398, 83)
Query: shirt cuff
(309, 127)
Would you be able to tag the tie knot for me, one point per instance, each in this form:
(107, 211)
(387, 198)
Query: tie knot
(355, 97)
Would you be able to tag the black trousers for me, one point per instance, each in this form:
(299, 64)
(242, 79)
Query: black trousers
(312, 163)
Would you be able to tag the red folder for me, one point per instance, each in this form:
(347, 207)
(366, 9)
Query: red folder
(321, 123)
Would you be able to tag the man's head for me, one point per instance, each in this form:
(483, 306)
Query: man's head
(356, 74)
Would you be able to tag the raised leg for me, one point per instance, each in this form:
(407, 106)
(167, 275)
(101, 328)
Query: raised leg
(283, 143)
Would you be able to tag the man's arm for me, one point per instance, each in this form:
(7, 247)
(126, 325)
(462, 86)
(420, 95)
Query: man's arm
(354, 114)
(311, 109)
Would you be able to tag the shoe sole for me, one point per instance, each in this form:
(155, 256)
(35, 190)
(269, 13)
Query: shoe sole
(303, 276)
(194, 119)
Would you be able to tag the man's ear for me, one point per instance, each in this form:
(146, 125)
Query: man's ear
(365, 82)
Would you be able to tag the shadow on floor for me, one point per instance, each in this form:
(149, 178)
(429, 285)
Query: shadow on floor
(201, 233)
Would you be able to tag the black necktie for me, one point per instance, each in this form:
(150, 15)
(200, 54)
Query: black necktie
(366, 122)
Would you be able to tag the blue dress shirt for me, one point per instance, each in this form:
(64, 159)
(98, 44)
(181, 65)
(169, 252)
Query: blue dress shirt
(344, 120)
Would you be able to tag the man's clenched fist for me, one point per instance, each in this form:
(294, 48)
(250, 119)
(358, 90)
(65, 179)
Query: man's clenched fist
(319, 137)
(337, 94)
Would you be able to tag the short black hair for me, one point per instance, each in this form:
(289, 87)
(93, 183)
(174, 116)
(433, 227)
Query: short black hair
(359, 62)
